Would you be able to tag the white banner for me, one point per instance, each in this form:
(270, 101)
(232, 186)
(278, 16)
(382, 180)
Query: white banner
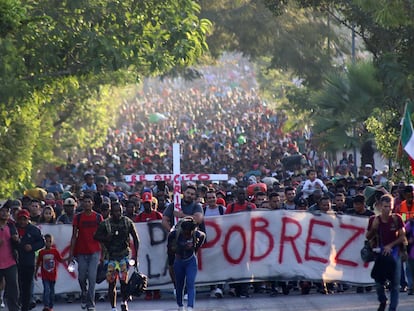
(260, 245)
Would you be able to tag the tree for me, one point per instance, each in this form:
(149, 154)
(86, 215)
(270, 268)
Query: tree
(59, 60)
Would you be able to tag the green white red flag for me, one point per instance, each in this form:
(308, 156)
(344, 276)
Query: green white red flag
(407, 136)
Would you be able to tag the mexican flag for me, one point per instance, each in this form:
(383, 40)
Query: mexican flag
(407, 136)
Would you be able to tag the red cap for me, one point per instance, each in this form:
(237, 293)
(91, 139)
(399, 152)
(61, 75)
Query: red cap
(220, 201)
(23, 213)
(146, 197)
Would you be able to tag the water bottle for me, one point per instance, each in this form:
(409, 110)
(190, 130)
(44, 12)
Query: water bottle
(71, 266)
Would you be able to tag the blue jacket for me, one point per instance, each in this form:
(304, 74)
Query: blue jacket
(34, 237)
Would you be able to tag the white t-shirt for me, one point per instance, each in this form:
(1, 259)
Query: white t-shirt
(213, 211)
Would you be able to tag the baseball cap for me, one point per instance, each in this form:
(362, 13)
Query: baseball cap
(15, 203)
(146, 197)
(69, 201)
(368, 165)
(23, 213)
(66, 194)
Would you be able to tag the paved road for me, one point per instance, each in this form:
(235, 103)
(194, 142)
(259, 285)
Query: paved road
(337, 302)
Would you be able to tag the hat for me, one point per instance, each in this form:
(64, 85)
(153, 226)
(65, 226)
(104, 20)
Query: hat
(368, 165)
(69, 201)
(146, 197)
(66, 194)
(220, 201)
(23, 213)
(15, 203)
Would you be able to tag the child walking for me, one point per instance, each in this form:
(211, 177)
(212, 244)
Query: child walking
(47, 259)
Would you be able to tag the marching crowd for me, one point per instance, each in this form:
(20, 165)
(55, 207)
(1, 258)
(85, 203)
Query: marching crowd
(223, 126)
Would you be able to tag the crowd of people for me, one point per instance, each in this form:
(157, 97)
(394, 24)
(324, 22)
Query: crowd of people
(223, 126)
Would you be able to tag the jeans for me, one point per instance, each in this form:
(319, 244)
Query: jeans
(12, 287)
(185, 271)
(26, 277)
(87, 268)
(410, 271)
(394, 287)
(409, 274)
(48, 293)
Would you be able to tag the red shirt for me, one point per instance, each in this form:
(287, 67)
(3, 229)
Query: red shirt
(145, 217)
(47, 261)
(88, 224)
(237, 207)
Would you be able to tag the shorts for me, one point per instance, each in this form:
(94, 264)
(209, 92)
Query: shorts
(117, 270)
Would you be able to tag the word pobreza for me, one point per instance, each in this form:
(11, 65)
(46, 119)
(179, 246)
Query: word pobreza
(257, 245)
(177, 177)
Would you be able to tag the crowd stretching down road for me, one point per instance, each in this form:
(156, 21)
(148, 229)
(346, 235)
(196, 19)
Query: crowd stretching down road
(223, 126)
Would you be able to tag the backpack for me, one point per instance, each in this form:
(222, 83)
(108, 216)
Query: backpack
(403, 247)
(108, 224)
(78, 216)
(178, 229)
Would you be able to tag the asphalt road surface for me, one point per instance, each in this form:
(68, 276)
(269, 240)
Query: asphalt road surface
(346, 301)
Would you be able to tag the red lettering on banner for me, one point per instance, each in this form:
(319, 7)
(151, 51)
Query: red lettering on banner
(226, 253)
(142, 178)
(310, 240)
(190, 177)
(210, 241)
(290, 239)
(158, 178)
(204, 177)
(254, 223)
(167, 177)
(133, 179)
(358, 231)
(176, 178)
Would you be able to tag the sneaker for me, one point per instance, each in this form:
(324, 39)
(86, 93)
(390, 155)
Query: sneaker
(382, 306)
(148, 295)
(175, 293)
(124, 306)
(91, 309)
(157, 295)
(244, 295)
(181, 309)
(2, 305)
(185, 297)
(403, 289)
(101, 298)
(114, 309)
(83, 301)
(190, 309)
(218, 293)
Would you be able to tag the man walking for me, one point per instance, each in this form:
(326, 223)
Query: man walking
(115, 234)
(87, 250)
(31, 240)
